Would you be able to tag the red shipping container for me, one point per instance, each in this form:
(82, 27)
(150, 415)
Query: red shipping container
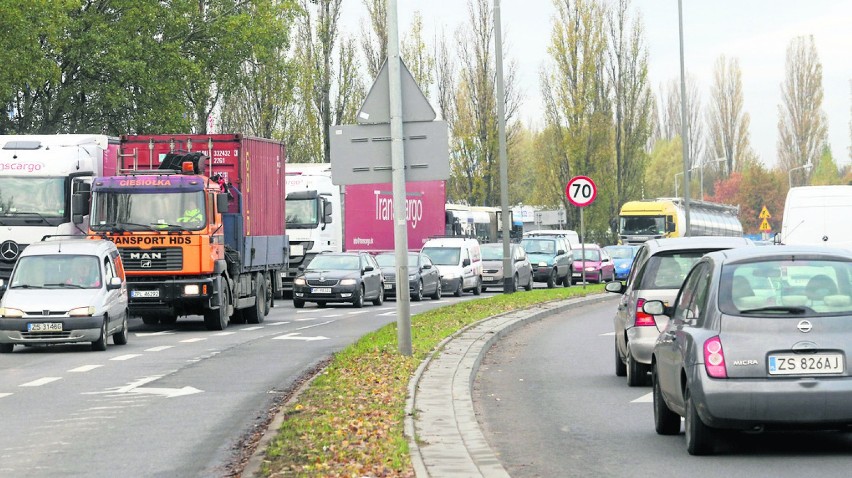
(255, 166)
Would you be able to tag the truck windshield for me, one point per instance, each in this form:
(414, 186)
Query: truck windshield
(642, 225)
(302, 213)
(131, 211)
(35, 196)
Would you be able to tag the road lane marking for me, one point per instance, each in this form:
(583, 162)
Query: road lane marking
(252, 328)
(154, 334)
(358, 312)
(607, 334)
(4, 395)
(85, 368)
(387, 314)
(332, 316)
(279, 323)
(159, 348)
(41, 381)
(647, 398)
(222, 334)
(126, 357)
(388, 308)
(167, 392)
(193, 340)
(297, 336)
(307, 319)
(315, 325)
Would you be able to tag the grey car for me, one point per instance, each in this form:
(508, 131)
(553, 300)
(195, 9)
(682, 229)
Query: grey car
(757, 341)
(492, 266)
(423, 276)
(657, 274)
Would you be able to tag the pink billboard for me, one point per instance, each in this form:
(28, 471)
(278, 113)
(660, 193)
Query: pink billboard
(368, 215)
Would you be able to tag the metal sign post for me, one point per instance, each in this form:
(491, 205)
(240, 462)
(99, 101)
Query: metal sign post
(581, 191)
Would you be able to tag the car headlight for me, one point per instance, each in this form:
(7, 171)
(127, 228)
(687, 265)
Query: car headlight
(11, 313)
(543, 264)
(82, 312)
(450, 275)
(348, 282)
(412, 276)
(299, 281)
(591, 269)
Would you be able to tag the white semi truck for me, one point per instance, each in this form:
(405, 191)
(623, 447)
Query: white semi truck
(313, 215)
(45, 184)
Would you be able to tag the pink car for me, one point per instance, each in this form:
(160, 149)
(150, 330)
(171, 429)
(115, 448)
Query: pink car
(599, 266)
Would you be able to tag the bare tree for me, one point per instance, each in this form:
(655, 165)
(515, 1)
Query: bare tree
(802, 125)
(374, 40)
(445, 75)
(417, 57)
(729, 135)
(672, 116)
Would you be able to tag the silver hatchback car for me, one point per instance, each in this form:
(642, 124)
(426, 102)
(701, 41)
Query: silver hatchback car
(657, 274)
(758, 340)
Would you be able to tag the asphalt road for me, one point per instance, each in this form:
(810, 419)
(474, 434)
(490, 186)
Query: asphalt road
(175, 401)
(550, 405)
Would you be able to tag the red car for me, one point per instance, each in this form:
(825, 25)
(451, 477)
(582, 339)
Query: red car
(599, 266)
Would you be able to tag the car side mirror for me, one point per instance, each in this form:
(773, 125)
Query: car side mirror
(615, 286)
(465, 262)
(426, 266)
(114, 283)
(2, 285)
(605, 259)
(656, 307)
(560, 252)
(302, 268)
(368, 268)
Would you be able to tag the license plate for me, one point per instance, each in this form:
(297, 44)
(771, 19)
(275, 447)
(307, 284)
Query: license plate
(45, 327)
(800, 364)
(144, 293)
(577, 274)
(320, 290)
(388, 286)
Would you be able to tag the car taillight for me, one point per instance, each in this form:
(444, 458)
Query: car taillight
(714, 358)
(643, 319)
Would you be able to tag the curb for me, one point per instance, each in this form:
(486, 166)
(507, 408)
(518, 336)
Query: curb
(456, 445)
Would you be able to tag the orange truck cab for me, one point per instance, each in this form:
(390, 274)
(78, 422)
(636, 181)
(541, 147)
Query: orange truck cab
(182, 238)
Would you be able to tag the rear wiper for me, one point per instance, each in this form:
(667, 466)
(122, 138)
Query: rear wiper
(776, 308)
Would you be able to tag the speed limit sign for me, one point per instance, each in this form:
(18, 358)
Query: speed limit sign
(581, 191)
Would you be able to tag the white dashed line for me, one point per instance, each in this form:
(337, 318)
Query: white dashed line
(305, 311)
(159, 348)
(196, 339)
(41, 381)
(252, 328)
(358, 312)
(647, 398)
(388, 308)
(387, 314)
(85, 368)
(4, 395)
(121, 358)
(278, 323)
(222, 334)
(307, 319)
(332, 316)
(607, 334)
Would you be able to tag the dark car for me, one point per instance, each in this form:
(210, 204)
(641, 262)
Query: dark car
(492, 266)
(340, 277)
(551, 259)
(757, 340)
(423, 276)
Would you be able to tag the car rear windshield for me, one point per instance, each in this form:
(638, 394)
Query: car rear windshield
(667, 270)
(794, 288)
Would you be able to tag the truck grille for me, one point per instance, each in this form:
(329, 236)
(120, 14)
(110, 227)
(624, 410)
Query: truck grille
(161, 259)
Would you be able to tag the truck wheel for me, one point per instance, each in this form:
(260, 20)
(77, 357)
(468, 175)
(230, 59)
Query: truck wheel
(101, 344)
(120, 337)
(254, 314)
(217, 319)
(268, 303)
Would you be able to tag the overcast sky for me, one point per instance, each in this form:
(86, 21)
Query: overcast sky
(757, 32)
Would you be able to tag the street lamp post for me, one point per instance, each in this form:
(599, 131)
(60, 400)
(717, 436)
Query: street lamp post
(702, 172)
(806, 167)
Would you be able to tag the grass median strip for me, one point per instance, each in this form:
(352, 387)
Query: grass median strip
(349, 421)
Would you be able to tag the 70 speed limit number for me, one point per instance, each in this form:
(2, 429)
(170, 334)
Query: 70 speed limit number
(581, 191)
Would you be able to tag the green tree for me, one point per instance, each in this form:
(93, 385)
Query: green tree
(666, 159)
(825, 172)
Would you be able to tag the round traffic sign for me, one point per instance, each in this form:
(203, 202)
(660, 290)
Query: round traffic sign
(581, 191)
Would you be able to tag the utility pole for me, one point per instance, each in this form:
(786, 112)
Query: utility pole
(508, 276)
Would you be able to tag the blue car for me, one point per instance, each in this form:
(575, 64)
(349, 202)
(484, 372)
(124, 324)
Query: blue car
(622, 257)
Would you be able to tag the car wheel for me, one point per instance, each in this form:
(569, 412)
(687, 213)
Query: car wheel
(700, 439)
(551, 280)
(458, 292)
(636, 374)
(478, 289)
(101, 344)
(620, 368)
(529, 284)
(666, 422)
(380, 299)
(298, 303)
(438, 291)
(418, 292)
(6, 348)
(358, 301)
(566, 281)
(516, 283)
(120, 337)
(321, 304)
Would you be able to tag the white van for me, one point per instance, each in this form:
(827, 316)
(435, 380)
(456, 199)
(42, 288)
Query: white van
(818, 215)
(459, 261)
(65, 291)
(572, 236)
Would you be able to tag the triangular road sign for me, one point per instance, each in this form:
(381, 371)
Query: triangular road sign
(376, 106)
(764, 213)
(764, 226)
